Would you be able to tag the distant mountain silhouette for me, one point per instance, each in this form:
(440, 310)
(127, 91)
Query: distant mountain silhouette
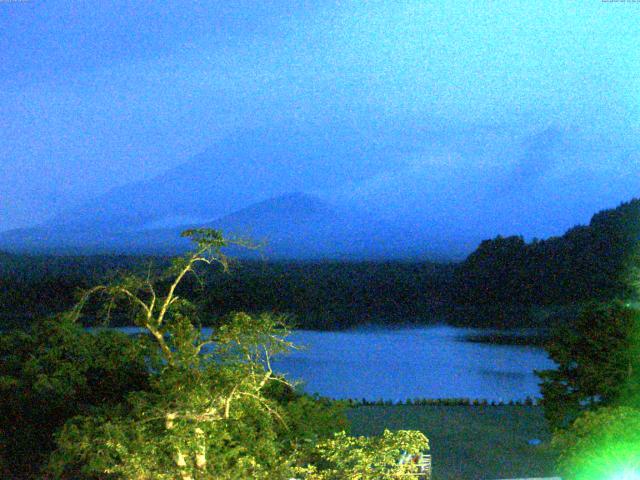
(304, 226)
(540, 152)
(236, 172)
(294, 226)
(433, 196)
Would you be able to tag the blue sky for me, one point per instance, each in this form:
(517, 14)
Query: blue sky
(97, 94)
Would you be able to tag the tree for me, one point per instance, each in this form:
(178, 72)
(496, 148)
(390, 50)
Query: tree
(598, 363)
(362, 458)
(601, 444)
(206, 415)
(212, 406)
(52, 372)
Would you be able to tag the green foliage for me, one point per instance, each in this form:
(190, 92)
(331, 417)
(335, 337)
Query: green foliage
(386, 457)
(598, 363)
(54, 371)
(204, 414)
(181, 437)
(600, 444)
(309, 420)
(172, 403)
(206, 238)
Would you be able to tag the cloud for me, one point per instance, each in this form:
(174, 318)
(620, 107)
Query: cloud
(538, 155)
(97, 95)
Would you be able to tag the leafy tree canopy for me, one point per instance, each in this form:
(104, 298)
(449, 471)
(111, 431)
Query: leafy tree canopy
(208, 405)
(601, 444)
(57, 370)
(598, 363)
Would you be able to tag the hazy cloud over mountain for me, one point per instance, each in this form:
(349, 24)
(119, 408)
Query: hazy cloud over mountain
(419, 112)
(538, 155)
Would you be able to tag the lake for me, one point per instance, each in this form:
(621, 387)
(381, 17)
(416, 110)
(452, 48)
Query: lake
(408, 363)
(429, 362)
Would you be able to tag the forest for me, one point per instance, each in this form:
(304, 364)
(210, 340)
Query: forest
(140, 406)
(498, 285)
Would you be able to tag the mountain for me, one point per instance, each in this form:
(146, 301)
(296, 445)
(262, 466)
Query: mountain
(304, 226)
(294, 226)
(236, 172)
(537, 184)
(433, 194)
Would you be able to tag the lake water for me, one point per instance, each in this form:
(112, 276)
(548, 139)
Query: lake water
(398, 364)
(430, 362)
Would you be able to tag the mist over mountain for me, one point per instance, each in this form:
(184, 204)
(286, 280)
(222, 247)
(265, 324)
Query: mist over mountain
(540, 153)
(535, 184)
(431, 194)
(242, 169)
(291, 226)
(304, 226)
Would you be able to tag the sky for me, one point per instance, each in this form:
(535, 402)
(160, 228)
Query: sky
(95, 95)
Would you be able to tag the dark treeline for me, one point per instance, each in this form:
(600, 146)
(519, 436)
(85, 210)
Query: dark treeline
(505, 276)
(334, 295)
(498, 285)
(36, 286)
(317, 295)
